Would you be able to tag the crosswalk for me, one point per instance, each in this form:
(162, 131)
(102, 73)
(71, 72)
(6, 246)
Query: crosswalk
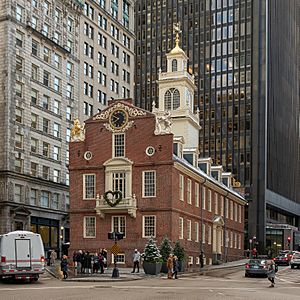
(289, 275)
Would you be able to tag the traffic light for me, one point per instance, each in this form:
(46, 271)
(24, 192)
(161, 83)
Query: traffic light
(289, 241)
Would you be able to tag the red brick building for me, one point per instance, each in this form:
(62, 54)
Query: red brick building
(166, 189)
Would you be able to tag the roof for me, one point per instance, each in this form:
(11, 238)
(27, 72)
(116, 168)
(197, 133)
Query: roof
(208, 178)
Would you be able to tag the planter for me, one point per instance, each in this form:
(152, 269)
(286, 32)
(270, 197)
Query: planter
(152, 268)
(164, 268)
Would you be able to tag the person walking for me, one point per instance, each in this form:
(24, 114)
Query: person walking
(64, 266)
(201, 258)
(53, 257)
(101, 263)
(136, 260)
(254, 253)
(271, 272)
(96, 264)
(170, 266)
(175, 266)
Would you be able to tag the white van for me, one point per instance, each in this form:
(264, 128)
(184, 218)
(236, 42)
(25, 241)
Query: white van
(22, 255)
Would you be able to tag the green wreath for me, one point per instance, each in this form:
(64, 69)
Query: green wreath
(116, 197)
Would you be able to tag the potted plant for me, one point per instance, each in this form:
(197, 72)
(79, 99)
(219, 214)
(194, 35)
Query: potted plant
(152, 258)
(165, 250)
(181, 255)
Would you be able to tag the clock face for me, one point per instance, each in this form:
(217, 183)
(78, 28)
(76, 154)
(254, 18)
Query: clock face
(118, 119)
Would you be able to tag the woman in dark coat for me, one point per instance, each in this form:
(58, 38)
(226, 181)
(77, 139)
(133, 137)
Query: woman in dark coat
(175, 266)
(64, 266)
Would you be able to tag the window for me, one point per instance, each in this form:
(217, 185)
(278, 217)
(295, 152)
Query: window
(19, 13)
(34, 145)
(57, 61)
(209, 200)
(240, 213)
(19, 140)
(203, 233)
(231, 239)
(216, 203)
(46, 125)
(89, 225)
(191, 260)
(235, 212)
(46, 55)
(56, 153)
(33, 197)
(45, 197)
(34, 169)
(19, 115)
(34, 121)
(69, 91)
(56, 106)
(56, 130)
(67, 178)
(181, 187)
(46, 149)
(35, 72)
(34, 96)
(69, 70)
(45, 172)
(119, 183)
(68, 135)
(149, 226)
(45, 102)
(19, 63)
(68, 113)
(89, 186)
(57, 15)
(119, 145)
(149, 184)
(55, 201)
(56, 175)
(35, 48)
(196, 194)
(203, 198)
(46, 78)
(120, 258)
(18, 193)
(46, 8)
(19, 89)
(172, 99)
(19, 38)
(226, 208)
(119, 224)
(57, 84)
(174, 65)
(180, 228)
(70, 25)
(189, 191)
(209, 234)
(189, 230)
(45, 30)
(19, 164)
(231, 210)
(196, 232)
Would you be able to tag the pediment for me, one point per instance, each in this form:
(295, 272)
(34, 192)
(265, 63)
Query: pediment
(118, 161)
(218, 220)
(21, 210)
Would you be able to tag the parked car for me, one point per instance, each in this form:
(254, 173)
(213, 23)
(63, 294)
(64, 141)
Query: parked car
(282, 259)
(295, 261)
(256, 267)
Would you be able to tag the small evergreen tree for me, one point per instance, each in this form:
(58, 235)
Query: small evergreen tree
(151, 252)
(179, 251)
(165, 248)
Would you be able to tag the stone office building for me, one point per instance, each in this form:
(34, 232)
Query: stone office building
(39, 65)
(153, 160)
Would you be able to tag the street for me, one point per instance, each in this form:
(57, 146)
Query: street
(217, 284)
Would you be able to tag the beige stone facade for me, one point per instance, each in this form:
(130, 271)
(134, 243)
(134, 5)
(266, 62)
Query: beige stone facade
(39, 66)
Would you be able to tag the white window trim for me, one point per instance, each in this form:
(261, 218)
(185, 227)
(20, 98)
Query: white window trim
(190, 260)
(181, 231)
(112, 224)
(113, 144)
(143, 184)
(196, 194)
(143, 224)
(203, 198)
(119, 263)
(181, 187)
(84, 226)
(209, 235)
(196, 232)
(216, 203)
(189, 191)
(209, 204)
(189, 230)
(240, 213)
(203, 233)
(83, 186)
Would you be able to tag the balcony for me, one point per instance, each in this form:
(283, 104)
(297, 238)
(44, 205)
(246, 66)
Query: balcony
(126, 205)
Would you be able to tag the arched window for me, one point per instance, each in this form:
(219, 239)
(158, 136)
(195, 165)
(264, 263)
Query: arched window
(172, 99)
(174, 65)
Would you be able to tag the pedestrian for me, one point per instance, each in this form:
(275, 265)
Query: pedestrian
(271, 272)
(254, 253)
(101, 263)
(88, 263)
(201, 258)
(96, 264)
(136, 260)
(170, 266)
(104, 254)
(175, 266)
(248, 253)
(53, 257)
(78, 261)
(64, 266)
(83, 256)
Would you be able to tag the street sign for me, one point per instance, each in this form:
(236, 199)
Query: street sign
(115, 249)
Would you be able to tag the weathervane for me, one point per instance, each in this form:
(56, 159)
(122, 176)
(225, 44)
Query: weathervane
(177, 32)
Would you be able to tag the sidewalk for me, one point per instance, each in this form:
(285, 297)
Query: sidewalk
(126, 275)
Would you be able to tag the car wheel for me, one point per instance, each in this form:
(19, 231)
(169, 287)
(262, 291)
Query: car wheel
(292, 266)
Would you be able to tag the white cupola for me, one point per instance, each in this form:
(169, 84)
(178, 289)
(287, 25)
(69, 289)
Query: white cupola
(176, 95)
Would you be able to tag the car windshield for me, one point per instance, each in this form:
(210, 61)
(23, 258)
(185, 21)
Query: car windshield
(296, 255)
(257, 261)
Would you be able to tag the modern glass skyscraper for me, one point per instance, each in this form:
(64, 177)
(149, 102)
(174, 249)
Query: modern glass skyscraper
(231, 44)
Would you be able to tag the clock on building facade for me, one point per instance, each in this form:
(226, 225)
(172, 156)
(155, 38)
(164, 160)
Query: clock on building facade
(118, 119)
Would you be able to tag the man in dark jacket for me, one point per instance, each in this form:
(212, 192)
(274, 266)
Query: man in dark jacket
(64, 266)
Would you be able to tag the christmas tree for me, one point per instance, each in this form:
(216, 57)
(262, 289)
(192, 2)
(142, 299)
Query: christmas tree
(151, 252)
(165, 248)
(179, 251)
